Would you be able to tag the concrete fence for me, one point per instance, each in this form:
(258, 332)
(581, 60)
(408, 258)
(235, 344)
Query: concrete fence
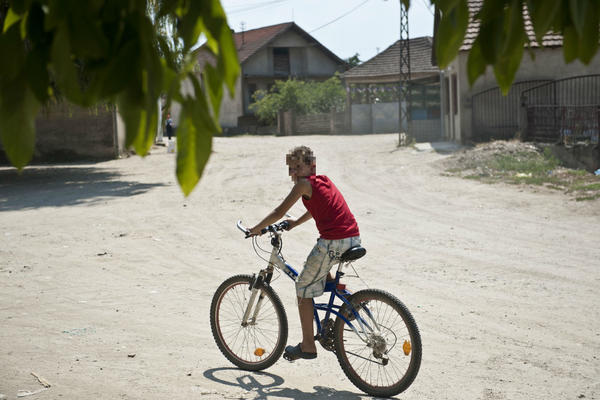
(65, 132)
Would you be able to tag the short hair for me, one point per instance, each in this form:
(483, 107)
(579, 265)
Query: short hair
(300, 153)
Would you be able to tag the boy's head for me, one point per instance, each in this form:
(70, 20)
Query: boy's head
(301, 162)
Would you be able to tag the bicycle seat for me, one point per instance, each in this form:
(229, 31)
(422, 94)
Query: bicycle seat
(353, 253)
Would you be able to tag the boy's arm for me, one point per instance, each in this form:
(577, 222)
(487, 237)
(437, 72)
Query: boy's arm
(300, 188)
(294, 223)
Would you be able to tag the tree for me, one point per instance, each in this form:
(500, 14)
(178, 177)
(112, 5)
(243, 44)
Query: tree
(118, 51)
(125, 52)
(502, 39)
(302, 97)
(353, 61)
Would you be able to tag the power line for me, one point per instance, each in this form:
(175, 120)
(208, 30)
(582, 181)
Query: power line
(341, 16)
(255, 6)
(427, 6)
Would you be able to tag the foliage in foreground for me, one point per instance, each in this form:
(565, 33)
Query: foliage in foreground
(117, 51)
(125, 52)
(501, 39)
(301, 96)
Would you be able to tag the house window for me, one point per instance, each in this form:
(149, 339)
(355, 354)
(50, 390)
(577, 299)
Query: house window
(281, 61)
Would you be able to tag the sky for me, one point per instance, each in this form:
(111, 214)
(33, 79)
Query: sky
(345, 27)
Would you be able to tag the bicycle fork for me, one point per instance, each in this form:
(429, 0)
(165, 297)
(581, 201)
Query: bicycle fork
(256, 289)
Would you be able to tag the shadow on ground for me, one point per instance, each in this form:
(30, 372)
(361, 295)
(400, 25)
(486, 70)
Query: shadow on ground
(264, 386)
(53, 186)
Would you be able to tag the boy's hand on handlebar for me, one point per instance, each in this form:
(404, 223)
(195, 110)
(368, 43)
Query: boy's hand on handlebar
(291, 223)
(254, 232)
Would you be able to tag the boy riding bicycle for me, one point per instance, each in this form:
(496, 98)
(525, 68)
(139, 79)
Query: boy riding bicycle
(338, 232)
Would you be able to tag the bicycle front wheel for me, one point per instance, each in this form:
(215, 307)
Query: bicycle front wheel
(382, 357)
(258, 344)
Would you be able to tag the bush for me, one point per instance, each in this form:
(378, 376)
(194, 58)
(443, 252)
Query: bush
(300, 96)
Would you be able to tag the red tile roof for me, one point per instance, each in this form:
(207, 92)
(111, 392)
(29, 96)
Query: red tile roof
(249, 42)
(548, 40)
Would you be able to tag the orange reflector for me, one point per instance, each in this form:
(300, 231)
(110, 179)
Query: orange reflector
(259, 352)
(406, 347)
(341, 286)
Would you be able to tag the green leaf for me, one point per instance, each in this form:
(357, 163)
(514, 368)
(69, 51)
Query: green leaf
(542, 13)
(194, 145)
(570, 43)
(579, 9)
(140, 123)
(475, 63)
(514, 27)
(122, 67)
(214, 86)
(64, 69)
(202, 118)
(491, 33)
(506, 68)
(17, 121)
(227, 60)
(11, 44)
(589, 36)
(11, 18)
(451, 32)
(37, 73)
(20, 6)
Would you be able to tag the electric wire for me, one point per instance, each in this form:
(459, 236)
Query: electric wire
(255, 6)
(340, 17)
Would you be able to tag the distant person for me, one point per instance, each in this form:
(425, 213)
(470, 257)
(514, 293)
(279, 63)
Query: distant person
(169, 126)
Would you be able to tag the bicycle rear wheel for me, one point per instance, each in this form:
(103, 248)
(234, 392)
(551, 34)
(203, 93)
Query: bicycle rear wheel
(259, 343)
(389, 361)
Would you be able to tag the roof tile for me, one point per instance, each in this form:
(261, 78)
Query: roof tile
(548, 40)
(386, 62)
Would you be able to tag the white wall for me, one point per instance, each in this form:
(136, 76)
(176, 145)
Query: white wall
(547, 64)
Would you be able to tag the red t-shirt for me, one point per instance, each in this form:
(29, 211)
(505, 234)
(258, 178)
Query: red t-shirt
(329, 209)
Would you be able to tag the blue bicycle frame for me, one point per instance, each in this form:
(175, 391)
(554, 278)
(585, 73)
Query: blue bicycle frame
(333, 287)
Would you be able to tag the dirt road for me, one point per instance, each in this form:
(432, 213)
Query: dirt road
(107, 272)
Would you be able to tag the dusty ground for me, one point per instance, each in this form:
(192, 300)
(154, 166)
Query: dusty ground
(107, 272)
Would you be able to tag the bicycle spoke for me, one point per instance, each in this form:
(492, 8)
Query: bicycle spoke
(244, 341)
(381, 364)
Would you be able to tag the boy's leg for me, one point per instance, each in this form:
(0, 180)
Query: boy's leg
(306, 309)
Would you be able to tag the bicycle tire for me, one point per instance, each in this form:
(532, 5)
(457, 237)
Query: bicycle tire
(398, 325)
(226, 312)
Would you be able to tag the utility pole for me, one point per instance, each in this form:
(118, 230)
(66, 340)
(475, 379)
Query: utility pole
(404, 103)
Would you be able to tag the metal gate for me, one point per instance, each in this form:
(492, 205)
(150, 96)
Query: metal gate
(565, 110)
(495, 116)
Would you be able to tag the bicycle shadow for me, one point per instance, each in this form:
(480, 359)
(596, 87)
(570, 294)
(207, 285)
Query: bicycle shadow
(267, 386)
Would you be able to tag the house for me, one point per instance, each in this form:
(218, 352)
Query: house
(276, 52)
(481, 113)
(372, 89)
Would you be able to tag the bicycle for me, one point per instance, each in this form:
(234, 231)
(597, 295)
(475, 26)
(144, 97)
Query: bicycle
(249, 324)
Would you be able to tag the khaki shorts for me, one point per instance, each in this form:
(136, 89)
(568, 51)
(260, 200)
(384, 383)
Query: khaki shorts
(311, 281)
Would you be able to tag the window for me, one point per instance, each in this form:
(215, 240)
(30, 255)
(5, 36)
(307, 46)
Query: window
(281, 61)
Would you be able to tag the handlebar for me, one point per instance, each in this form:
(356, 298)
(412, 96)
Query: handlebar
(281, 226)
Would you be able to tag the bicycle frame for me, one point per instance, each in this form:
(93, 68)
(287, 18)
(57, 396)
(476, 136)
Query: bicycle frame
(336, 289)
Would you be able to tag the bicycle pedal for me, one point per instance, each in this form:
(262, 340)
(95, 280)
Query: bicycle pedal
(287, 357)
